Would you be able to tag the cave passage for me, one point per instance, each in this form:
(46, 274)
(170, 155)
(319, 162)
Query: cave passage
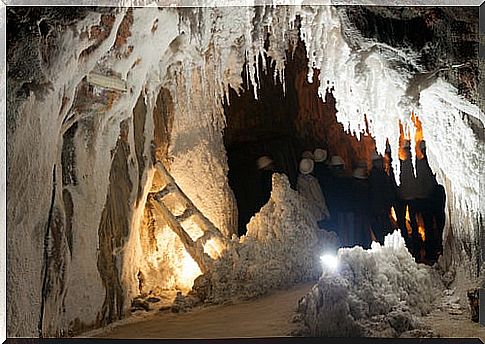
(362, 196)
(255, 129)
(247, 181)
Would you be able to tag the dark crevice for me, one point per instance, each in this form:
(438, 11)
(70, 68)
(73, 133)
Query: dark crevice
(163, 115)
(68, 157)
(45, 286)
(55, 282)
(476, 125)
(257, 127)
(44, 28)
(139, 116)
(68, 209)
(113, 230)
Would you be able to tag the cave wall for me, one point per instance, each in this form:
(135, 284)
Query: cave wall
(199, 162)
(34, 172)
(442, 88)
(79, 156)
(388, 79)
(88, 148)
(443, 36)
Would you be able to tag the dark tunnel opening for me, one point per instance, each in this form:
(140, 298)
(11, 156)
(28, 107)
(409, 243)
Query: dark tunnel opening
(255, 129)
(283, 125)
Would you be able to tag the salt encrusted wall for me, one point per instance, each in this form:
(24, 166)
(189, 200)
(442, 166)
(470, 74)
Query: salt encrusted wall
(443, 74)
(40, 257)
(387, 79)
(79, 165)
(81, 155)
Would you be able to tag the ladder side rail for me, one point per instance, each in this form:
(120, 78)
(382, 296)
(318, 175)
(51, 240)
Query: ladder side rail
(194, 249)
(205, 222)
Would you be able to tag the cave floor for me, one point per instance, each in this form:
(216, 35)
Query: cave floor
(268, 316)
(459, 326)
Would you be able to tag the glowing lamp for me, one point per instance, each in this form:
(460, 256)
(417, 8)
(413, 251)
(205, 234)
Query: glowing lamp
(330, 261)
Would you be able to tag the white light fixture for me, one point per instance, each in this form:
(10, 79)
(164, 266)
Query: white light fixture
(330, 261)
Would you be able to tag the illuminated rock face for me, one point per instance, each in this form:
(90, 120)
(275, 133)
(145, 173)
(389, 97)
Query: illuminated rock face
(79, 155)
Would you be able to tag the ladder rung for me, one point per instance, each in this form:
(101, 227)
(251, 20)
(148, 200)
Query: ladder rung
(185, 215)
(205, 224)
(172, 222)
(164, 192)
(204, 238)
(194, 249)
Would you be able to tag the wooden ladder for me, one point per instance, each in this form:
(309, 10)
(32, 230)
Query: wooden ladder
(194, 248)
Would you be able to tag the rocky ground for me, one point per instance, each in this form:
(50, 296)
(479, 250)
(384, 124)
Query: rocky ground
(267, 316)
(272, 315)
(451, 318)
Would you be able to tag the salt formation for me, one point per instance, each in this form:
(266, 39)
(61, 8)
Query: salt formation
(388, 84)
(81, 245)
(375, 292)
(86, 153)
(280, 249)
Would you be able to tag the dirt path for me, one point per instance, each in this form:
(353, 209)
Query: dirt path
(268, 316)
(459, 326)
(447, 321)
